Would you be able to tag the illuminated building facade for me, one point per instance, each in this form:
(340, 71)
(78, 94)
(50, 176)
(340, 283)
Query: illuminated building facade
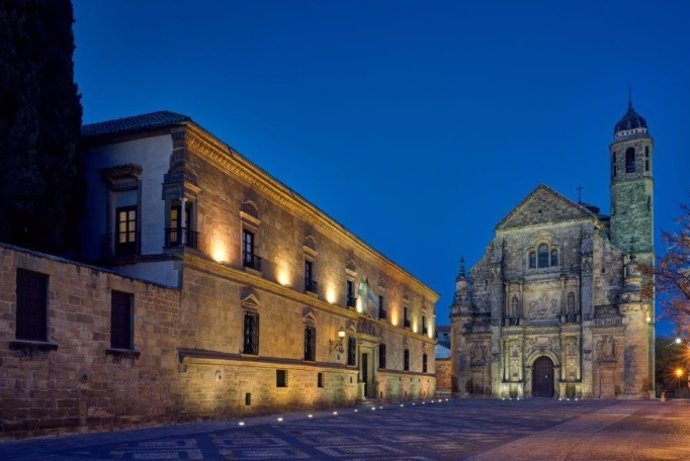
(266, 303)
(554, 306)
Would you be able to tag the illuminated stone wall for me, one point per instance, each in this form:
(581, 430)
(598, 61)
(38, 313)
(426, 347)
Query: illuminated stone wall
(582, 310)
(71, 382)
(233, 196)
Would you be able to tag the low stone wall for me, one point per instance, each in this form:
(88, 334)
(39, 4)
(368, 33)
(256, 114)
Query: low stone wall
(72, 381)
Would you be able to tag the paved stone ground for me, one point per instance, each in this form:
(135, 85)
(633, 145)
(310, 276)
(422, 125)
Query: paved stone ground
(457, 429)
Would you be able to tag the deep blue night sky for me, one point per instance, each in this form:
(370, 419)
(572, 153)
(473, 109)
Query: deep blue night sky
(418, 126)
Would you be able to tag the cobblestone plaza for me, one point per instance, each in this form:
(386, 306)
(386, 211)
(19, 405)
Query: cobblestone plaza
(454, 429)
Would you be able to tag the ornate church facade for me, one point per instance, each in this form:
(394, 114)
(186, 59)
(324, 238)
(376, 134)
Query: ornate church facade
(554, 306)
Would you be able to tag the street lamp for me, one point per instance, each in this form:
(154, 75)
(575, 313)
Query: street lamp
(337, 345)
(679, 372)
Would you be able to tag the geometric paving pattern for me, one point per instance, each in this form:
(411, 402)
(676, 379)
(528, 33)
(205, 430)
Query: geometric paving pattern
(456, 429)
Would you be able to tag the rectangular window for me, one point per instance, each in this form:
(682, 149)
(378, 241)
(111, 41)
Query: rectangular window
(126, 240)
(382, 356)
(406, 360)
(179, 233)
(247, 248)
(309, 343)
(32, 305)
(309, 283)
(174, 229)
(350, 293)
(424, 363)
(406, 320)
(251, 333)
(281, 378)
(351, 351)
(319, 380)
(425, 329)
(121, 305)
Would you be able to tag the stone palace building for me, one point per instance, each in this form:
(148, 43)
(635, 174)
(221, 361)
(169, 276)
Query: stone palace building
(554, 308)
(205, 288)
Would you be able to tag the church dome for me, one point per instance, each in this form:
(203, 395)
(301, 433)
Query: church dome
(632, 122)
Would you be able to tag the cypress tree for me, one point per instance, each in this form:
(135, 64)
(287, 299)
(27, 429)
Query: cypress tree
(41, 174)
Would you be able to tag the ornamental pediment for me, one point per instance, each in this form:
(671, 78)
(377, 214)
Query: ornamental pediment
(544, 206)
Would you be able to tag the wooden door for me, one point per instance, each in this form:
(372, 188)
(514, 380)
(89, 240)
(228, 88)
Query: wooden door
(542, 377)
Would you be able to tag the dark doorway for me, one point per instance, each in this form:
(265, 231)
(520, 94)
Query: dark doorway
(542, 377)
(364, 372)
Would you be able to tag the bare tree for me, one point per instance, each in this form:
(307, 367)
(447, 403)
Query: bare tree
(671, 274)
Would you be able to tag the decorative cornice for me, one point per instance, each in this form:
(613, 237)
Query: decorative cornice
(245, 278)
(224, 157)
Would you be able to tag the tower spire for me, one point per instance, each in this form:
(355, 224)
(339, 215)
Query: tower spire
(461, 274)
(629, 97)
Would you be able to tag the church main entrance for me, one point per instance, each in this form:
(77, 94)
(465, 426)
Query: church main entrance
(542, 377)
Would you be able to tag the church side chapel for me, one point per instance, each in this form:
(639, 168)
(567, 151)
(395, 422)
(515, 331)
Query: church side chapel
(554, 307)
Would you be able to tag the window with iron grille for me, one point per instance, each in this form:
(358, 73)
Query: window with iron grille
(351, 351)
(251, 333)
(382, 356)
(32, 305)
(126, 237)
(424, 364)
(406, 362)
(309, 343)
(121, 307)
(281, 378)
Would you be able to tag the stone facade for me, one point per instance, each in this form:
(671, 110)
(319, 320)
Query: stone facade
(553, 308)
(274, 305)
(74, 379)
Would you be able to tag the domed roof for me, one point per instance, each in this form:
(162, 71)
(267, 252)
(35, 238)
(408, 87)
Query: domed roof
(630, 121)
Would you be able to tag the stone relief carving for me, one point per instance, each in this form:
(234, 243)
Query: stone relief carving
(543, 308)
(541, 344)
(478, 354)
(607, 349)
(515, 361)
(367, 327)
(571, 347)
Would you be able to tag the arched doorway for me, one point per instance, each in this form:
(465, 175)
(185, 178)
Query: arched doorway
(542, 377)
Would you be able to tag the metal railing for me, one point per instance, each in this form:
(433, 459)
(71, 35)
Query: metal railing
(181, 236)
(351, 301)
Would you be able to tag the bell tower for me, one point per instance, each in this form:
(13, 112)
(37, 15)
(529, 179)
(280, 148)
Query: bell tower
(632, 186)
(632, 231)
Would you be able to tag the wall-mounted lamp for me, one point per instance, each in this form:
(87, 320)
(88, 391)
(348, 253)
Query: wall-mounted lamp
(337, 345)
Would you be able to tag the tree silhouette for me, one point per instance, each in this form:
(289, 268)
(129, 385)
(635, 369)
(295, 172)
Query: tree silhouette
(671, 274)
(41, 185)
